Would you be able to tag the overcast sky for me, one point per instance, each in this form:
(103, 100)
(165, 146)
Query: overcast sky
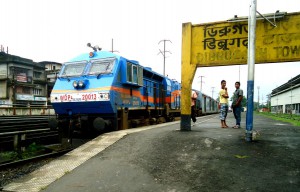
(56, 30)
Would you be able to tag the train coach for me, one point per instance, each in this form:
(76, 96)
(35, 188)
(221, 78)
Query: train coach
(205, 105)
(100, 91)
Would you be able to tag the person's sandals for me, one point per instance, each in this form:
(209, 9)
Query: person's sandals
(236, 127)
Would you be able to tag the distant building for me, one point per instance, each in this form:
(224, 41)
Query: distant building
(24, 82)
(52, 69)
(286, 98)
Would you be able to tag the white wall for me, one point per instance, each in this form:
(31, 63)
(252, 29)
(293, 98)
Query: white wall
(285, 98)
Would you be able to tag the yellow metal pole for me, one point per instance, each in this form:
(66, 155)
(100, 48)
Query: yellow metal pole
(187, 76)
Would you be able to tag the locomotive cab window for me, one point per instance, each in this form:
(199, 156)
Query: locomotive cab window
(102, 66)
(73, 69)
(134, 74)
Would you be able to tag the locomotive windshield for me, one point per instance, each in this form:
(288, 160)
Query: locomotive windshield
(101, 66)
(73, 69)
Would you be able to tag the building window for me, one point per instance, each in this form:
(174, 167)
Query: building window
(20, 74)
(37, 74)
(23, 90)
(37, 91)
(26, 90)
(53, 67)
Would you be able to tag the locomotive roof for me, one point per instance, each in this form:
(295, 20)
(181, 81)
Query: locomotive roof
(97, 55)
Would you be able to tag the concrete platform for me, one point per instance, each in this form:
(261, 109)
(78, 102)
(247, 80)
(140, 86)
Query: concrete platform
(162, 158)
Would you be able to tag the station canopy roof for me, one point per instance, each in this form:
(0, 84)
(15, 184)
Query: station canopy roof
(292, 83)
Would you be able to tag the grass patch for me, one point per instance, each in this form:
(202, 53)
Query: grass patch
(31, 151)
(288, 118)
(8, 156)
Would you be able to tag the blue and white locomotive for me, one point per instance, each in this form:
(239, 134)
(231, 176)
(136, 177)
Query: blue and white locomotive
(100, 91)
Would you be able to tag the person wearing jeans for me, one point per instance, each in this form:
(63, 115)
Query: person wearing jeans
(223, 95)
(237, 105)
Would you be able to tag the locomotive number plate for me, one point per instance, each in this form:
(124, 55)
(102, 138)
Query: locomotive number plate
(80, 97)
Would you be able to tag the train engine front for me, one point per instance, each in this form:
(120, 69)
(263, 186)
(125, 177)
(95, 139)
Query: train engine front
(82, 96)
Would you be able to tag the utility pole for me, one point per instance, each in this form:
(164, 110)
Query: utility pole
(258, 98)
(112, 46)
(251, 67)
(262, 100)
(164, 53)
(212, 92)
(201, 82)
(212, 96)
(239, 73)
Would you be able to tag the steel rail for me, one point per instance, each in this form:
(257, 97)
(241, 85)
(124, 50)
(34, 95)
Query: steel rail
(23, 161)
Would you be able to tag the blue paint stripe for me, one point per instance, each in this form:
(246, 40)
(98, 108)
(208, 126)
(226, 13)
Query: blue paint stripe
(250, 96)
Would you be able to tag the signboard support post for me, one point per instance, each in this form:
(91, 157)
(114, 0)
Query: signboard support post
(234, 42)
(251, 67)
(187, 76)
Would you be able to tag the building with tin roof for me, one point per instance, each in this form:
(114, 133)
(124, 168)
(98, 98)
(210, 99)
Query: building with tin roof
(286, 98)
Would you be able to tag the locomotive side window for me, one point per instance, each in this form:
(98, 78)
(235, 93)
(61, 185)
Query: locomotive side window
(73, 69)
(134, 74)
(140, 76)
(129, 72)
(168, 85)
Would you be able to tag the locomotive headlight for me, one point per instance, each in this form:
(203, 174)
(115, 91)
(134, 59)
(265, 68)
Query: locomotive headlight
(81, 84)
(91, 54)
(75, 84)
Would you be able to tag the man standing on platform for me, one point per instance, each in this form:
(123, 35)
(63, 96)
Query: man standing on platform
(193, 105)
(237, 105)
(223, 95)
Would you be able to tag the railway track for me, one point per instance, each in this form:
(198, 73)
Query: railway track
(43, 156)
(11, 170)
(16, 123)
(29, 129)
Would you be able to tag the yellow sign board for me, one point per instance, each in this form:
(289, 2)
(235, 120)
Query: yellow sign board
(225, 43)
